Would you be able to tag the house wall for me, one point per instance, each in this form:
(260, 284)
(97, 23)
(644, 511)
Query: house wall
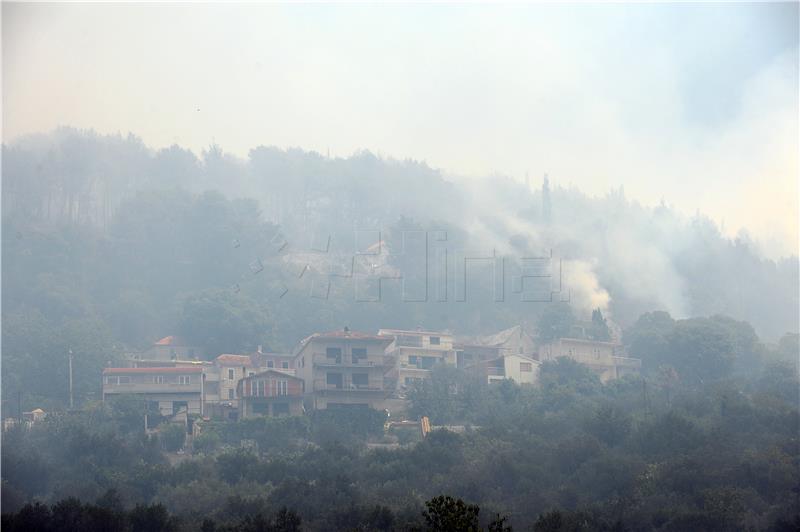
(513, 369)
(416, 363)
(249, 406)
(227, 385)
(598, 356)
(320, 372)
(166, 394)
(171, 352)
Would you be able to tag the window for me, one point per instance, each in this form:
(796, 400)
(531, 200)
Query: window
(251, 373)
(334, 353)
(409, 341)
(230, 374)
(184, 379)
(112, 380)
(178, 406)
(270, 364)
(359, 354)
(360, 380)
(230, 393)
(285, 365)
(282, 388)
(525, 367)
(435, 340)
(412, 360)
(158, 379)
(124, 379)
(334, 380)
(427, 362)
(260, 390)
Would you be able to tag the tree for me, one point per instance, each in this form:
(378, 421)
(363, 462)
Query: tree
(609, 424)
(701, 349)
(555, 322)
(599, 330)
(224, 321)
(648, 338)
(446, 514)
(172, 436)
(155, 518)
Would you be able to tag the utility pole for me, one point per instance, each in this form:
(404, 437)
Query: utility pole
(71, 402)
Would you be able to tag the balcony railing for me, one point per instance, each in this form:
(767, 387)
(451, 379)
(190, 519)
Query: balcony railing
(347, 386)
(150, 387)
(495, 371)
(349, 361)
(627, 362)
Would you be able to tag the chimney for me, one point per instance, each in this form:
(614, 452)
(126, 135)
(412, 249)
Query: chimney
(346, 330)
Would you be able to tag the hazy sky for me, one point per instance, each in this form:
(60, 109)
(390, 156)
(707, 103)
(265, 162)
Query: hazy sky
(695, 104)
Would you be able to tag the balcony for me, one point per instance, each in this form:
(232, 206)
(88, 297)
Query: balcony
(321, 385)
(626, 362)
(493, 371)
(408, 341)
(345, 361)
(149, 387)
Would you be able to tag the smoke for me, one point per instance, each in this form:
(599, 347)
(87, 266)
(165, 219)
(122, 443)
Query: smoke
(585, 291)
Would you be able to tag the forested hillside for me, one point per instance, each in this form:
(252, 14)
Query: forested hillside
(109, 245)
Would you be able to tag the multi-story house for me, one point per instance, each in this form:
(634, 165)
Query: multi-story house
(606, 359)
(171, 389)
(415, 353)
(343, 369)
(270, 393)
(231, 369)
(521, 369)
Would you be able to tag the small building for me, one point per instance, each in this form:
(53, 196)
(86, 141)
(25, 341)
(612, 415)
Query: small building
(171, 389)
(344, 369)
(521, 369)
(512, 341)
(270, 393)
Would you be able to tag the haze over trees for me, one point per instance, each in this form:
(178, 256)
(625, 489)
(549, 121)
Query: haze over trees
(109, 245)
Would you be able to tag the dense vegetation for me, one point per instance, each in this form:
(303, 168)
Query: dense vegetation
(101, 257)
(662, 452)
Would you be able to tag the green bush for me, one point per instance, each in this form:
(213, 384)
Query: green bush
(172, 437)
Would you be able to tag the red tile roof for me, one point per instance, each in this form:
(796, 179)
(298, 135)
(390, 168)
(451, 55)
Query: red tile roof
(125, 371)
(235, 360)
(172, 340)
